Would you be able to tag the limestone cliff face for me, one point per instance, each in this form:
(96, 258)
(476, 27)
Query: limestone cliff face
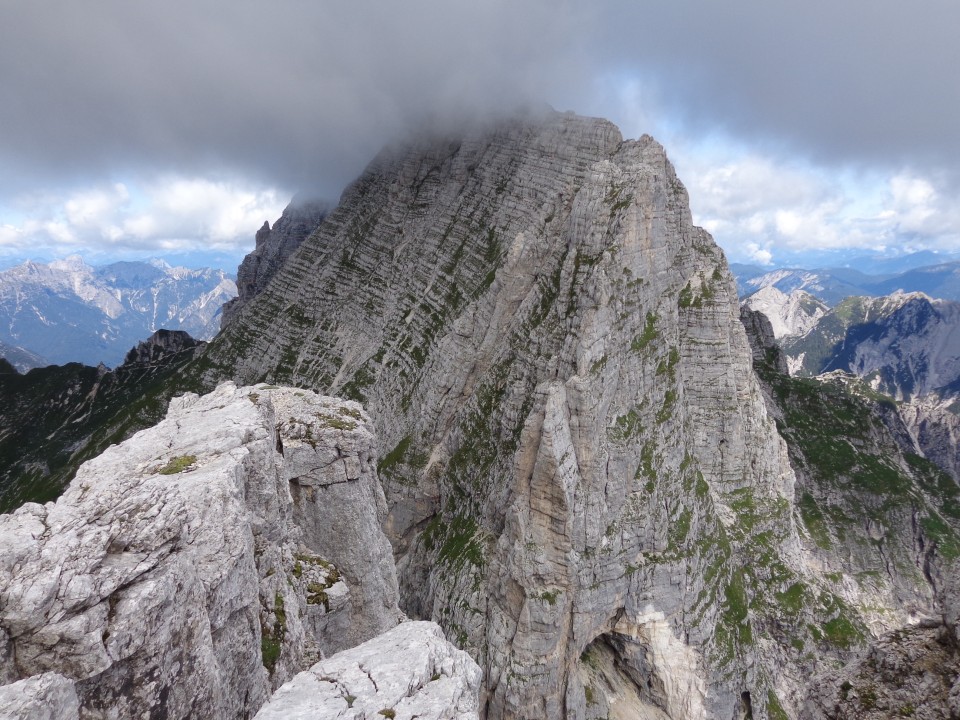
(586, 488)
(273, 247)
(935, 425)
(195, 567)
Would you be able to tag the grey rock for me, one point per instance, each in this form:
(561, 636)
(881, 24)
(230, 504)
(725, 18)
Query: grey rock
(762, 339)
(935, 426)
(789, 314)
(273, 246)
(410, 671)
(173, 578)
(571, 431)
(42, 697)
(912, 673)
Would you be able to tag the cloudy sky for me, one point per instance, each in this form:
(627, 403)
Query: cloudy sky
(134, 129)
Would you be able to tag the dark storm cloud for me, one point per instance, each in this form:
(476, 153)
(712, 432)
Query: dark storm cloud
(871, 81)
(299, 92)
(303, 93)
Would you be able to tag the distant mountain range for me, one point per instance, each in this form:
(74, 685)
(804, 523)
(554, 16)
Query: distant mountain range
(69, 311)
(831, 285)
(904, 344)
(903, 347)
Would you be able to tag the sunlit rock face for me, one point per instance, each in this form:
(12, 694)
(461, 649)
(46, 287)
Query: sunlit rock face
(409, 672)
(592, 483)
(790, 314)
(192, 569)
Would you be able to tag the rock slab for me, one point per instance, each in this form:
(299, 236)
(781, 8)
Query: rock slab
(173, 579)
(408, 672)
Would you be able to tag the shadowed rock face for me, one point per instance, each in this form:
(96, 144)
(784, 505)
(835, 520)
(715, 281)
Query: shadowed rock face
(177, 576)
(160, 345)
(273, 247)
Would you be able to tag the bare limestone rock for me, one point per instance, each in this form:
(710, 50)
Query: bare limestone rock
(935, 425)
(408, 672)
(910, 673)
(571, 428)
(762, 339)
(174, 577)
(790, 314)
(49, 696)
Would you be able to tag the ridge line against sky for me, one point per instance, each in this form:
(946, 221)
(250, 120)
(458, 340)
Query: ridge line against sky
(132, 129)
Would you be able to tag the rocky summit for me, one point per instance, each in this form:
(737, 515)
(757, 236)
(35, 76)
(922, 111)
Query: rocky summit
(591, 481)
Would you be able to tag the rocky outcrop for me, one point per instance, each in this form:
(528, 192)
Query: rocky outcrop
(935, 426)
(273, 246)
(910, 673)
(193, 568)
(77, 411)
(42, 697)
(408, 672)
(579, 461)
(789, 314)
(762, 339)
(589, 487)
(160, 345)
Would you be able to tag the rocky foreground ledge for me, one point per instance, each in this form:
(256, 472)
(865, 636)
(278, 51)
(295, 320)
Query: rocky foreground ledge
(194, 568)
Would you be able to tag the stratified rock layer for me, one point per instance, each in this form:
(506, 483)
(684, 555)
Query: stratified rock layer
(176, 577)
(273, 247)
(406, 673)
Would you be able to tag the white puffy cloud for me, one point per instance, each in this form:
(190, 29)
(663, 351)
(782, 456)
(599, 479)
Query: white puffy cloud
(166, 214)
(761, 208)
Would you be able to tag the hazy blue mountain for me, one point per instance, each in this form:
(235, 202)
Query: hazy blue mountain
(940, 281)
(69, 311)
(829, 285)
(21, 358)
(834, 284)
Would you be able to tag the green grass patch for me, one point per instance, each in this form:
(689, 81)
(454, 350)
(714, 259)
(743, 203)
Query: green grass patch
(649, 334)
(178, 465)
